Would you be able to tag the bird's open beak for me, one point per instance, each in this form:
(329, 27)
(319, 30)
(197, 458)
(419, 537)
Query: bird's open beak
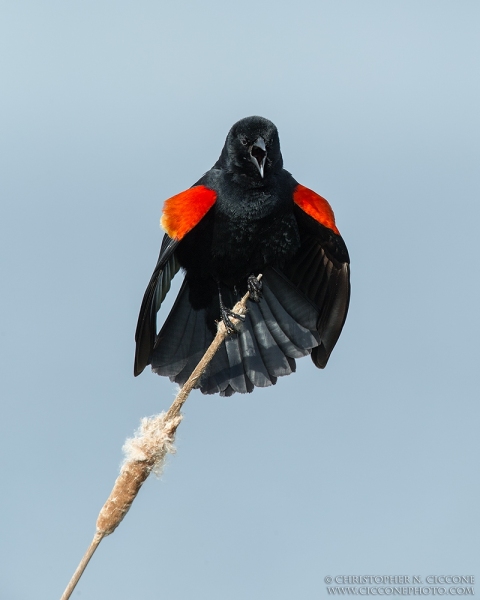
(258, 155)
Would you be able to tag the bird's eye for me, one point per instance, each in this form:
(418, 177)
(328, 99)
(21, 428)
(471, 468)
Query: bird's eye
(244, 141)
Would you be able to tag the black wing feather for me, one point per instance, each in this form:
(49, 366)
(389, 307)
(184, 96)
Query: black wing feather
(321, 271)
(145, 334)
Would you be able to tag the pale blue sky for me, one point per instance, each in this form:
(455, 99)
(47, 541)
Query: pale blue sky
(369, 467)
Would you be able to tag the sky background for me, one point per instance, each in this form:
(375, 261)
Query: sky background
(369, 467)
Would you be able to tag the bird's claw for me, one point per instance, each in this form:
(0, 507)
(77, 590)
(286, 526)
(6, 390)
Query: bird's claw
(254, 286)
(226, 318)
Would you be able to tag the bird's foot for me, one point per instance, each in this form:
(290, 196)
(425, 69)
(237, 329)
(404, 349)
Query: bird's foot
(227, 315)
(254, 286)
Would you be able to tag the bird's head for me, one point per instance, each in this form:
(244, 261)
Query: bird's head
(252, 148)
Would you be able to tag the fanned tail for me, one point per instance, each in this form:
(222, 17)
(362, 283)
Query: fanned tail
(276, 331)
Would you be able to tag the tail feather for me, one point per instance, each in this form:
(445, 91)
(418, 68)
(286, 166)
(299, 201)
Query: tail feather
(239, 382)
(197, 339)
(216, 378)
(274, 358)
(227, 368)
(281, 338)
(280, 328)
(253, 364)
(292, 312)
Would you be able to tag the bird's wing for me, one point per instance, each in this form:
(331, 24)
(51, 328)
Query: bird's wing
(167, 267)
(321, 269)
(180, 214)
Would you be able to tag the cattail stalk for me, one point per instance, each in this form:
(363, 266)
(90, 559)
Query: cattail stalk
(147, 451)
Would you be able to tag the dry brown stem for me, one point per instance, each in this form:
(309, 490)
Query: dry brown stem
(147, 451)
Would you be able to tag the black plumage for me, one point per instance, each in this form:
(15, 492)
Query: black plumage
(254, 222)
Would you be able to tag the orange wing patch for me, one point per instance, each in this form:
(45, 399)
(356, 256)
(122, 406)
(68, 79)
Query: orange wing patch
(182, 212)
(315, 206)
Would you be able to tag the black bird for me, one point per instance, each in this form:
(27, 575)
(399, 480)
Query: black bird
(247, 215)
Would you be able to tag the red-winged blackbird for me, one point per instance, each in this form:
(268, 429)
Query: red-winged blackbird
(246, 216)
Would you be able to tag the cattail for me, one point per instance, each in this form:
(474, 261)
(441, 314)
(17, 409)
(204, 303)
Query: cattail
(147, 451)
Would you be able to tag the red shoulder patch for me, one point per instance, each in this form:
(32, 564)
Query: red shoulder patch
(315, 206)
(182, 212)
